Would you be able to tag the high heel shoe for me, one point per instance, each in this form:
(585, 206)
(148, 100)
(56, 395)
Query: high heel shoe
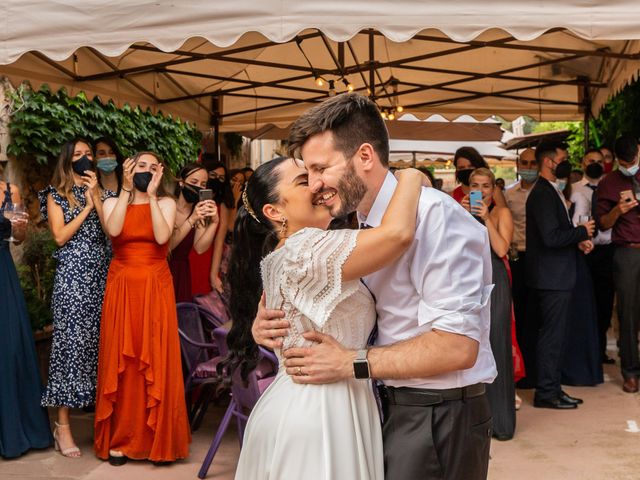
(71, 452)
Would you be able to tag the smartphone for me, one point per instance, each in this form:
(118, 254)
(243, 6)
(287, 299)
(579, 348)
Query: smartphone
(627, 196)
(475, 198)
(206, 194)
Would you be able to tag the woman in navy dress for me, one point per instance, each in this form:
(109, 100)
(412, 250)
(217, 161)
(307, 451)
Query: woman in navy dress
(23, 422)
(73, 209)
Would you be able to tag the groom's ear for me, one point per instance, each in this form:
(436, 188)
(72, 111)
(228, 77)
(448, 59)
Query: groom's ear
(366, 156)
(272, 213)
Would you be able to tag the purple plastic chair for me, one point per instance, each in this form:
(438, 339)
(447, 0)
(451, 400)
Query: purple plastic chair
(243, 395)
(200, 357)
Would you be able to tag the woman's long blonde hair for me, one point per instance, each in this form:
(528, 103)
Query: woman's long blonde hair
(63, 180)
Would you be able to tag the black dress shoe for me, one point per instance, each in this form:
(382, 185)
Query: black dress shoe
(555, 403)
(569, 399)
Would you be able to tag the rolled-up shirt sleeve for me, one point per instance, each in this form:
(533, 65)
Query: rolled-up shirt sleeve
(451, 270)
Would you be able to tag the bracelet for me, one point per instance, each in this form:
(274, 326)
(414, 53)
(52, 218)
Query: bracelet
(122, 188)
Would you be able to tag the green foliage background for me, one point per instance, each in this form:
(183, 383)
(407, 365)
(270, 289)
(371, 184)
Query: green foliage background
(44, 120)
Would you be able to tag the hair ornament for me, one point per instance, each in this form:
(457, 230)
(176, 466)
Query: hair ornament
(247, 206)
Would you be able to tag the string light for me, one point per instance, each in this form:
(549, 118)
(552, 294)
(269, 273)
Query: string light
(332, 89)
(319, 81)
(347, 84)
(392, 116)
(399, 109)
(384, 115)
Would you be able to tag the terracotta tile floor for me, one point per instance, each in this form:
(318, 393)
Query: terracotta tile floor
(587, 444)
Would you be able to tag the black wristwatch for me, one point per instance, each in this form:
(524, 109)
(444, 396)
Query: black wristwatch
(361, 365)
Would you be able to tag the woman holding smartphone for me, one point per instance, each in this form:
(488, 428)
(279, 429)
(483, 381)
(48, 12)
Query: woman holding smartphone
(499, 223)
(73, 209)
(195, 226)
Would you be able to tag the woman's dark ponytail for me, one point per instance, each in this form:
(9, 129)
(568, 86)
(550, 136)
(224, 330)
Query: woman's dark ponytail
(254, 236)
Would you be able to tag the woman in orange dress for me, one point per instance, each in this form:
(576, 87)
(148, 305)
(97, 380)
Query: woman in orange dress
(140, 407)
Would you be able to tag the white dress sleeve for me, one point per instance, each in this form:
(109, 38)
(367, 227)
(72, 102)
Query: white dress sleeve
(312, 271)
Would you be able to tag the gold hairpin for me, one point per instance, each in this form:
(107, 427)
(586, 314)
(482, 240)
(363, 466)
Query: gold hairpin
(245, 202)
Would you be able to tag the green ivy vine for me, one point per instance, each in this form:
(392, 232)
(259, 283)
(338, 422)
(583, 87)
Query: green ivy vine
(43, 120)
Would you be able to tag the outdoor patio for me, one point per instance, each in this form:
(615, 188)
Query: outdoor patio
(591, 443)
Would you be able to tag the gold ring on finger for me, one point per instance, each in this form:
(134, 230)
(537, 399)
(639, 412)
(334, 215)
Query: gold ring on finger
(299, 371)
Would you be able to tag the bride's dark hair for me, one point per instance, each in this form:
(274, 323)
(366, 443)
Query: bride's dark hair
(254, 236)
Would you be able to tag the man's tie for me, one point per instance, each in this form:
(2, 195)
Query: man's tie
(592, 187)
(364, 226)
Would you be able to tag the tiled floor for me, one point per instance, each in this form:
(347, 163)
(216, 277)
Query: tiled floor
(588, 444)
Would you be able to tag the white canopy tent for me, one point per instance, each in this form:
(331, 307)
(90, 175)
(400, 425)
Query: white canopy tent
(242, 64)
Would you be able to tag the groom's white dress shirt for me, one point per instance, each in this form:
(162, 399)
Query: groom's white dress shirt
(442, 282)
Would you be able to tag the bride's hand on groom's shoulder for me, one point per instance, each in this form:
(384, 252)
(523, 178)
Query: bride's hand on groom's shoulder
(325, 362)
(426, 182)
(268, 328)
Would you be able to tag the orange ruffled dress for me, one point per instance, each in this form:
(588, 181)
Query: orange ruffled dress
(140, 405)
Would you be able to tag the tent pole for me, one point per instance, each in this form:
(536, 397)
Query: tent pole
(587, 113)
(372, 68)
(215, 122)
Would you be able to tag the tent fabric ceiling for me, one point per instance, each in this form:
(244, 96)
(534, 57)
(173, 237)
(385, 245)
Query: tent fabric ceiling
(250, 64)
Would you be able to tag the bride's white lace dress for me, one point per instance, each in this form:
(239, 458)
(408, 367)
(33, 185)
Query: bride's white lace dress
(315, 431)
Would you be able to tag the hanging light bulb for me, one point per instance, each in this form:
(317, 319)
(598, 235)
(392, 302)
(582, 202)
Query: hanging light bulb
(392, 116)
(347, 84)
(319, 81)
(384, 115)
(332, 89)
(400, 109)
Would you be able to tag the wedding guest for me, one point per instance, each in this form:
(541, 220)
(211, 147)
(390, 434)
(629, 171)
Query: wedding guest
(526, 322)
(553, 245)
(206, 267)
(465, 160)
(72, 207)
(109, 165)
(195, 227)
(617, 208)
(24, 424)
(600, 260)
(502, 391)
(607, 154)
(140, 409)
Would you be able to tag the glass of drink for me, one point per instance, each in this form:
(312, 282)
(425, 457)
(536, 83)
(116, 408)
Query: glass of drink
(14, 213)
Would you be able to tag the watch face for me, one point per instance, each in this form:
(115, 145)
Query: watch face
(361, 369)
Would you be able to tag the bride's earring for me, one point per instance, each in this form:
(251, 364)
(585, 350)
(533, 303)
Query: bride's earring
(283, 228)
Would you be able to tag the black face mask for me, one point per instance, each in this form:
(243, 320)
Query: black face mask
(563, 169)
(191, 193)
(81, 165)
(463, 176)
(594, 170)
(215, 185)
(141, 180)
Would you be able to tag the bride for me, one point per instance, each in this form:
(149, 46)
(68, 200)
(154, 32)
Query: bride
(312, 274)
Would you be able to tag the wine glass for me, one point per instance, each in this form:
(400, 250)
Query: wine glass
(14, 213)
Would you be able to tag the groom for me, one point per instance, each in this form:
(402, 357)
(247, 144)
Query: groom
(432, 350)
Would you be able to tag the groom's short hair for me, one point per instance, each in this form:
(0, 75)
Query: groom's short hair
(352, 119)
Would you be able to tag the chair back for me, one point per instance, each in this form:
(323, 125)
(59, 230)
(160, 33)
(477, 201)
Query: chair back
(246, 394)
(191, 331)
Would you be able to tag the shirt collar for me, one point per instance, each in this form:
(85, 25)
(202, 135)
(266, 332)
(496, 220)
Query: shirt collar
(380, 204)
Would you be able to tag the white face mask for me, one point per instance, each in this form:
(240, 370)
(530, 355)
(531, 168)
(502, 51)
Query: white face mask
(561, 184)
(631, 171)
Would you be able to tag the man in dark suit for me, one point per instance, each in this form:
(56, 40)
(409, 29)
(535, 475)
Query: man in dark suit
(552, 249)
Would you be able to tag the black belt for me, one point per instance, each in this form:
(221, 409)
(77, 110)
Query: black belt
(422, 397)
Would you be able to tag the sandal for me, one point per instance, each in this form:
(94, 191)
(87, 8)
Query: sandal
(518, 402)
(71, 452)
(117, 458)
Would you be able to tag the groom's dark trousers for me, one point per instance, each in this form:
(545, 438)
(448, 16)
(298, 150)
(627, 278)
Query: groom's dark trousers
(436, 434)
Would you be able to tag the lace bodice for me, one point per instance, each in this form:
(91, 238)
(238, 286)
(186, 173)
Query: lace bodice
(304, 279)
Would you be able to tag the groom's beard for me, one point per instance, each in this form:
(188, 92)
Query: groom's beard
(351, 190)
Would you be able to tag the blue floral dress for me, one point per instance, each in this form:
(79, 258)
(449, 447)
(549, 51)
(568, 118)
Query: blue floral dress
(76, 303)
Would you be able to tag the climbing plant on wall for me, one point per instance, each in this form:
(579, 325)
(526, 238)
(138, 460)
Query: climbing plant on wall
(43, 120)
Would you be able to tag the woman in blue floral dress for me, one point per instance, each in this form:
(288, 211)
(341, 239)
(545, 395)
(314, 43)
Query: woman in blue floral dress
(73, 209)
